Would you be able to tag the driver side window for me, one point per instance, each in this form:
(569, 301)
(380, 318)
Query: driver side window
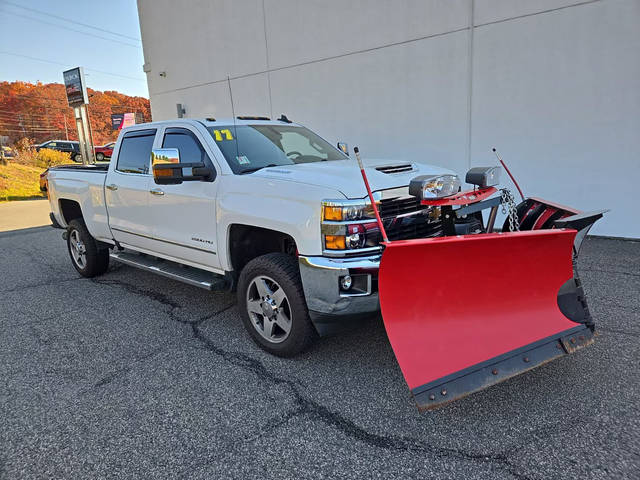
(184, 140)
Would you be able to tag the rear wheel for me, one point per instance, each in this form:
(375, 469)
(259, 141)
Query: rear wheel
(87, 258)
(77, 158)
(272, 305)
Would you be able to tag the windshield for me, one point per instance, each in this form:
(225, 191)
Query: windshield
(248, 148)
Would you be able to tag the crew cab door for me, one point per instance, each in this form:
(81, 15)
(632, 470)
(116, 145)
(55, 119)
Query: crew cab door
(184, 215)
(127, 190)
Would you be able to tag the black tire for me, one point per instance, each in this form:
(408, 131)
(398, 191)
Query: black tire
(283, 269)
(99, 157)
(96, 260)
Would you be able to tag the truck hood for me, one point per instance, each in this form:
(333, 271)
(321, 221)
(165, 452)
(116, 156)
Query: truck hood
(344, 175)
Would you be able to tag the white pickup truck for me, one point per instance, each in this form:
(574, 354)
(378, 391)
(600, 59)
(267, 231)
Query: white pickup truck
(264, 207)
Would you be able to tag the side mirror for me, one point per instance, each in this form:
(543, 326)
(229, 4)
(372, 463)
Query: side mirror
(344, 148)
(168, 170)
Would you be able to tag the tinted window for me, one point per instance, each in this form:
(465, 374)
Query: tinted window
(189, 146)
(135, 152)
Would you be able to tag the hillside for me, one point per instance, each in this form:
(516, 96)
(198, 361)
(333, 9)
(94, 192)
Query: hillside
(40, 112)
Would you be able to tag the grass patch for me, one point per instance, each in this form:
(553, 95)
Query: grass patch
(20, 182)
(20, 175)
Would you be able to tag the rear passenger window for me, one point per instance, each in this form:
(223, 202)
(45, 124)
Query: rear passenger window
(185, 141)
(135, 152)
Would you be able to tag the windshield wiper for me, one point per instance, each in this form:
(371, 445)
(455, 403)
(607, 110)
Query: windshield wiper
(251, 170)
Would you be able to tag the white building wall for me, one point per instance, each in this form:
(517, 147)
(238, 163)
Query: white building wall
(554, 84)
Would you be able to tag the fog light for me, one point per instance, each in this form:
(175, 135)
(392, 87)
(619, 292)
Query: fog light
(355, 241)
(345, 282)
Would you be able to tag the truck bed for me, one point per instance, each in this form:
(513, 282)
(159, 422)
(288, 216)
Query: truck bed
(82, 185)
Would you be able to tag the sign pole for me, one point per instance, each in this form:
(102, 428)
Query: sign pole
(92, 155)
(78, 99)
(77, 113)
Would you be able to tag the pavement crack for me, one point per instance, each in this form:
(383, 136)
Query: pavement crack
(274, 424)
(304, 405)
(308, 407)
(40, 337)
(619, 331)
(120, 372)
(41, 258)
(614, 272)
(41, 284)
(153, 295)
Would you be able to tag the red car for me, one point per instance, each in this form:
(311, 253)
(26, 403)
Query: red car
(104, 151)
(44, 183)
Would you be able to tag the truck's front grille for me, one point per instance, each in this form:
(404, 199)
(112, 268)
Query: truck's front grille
(411, 230)
(398, 206)
(406, 228)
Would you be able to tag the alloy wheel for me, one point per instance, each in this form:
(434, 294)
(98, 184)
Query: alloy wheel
(269, 309)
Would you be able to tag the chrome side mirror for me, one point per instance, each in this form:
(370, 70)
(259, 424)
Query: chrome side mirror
(167, 168)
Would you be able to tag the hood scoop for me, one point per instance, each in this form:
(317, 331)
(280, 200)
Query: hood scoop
(389, 169)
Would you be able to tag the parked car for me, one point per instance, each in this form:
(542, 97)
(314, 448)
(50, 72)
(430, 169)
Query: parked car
(43, 180)
(7, 152)
(67, 146)
(104, 151)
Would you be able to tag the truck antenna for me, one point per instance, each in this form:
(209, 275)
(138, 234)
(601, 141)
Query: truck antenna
(233, 113)
(508, 173)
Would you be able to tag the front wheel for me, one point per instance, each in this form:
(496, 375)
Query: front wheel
(272, 305)
(99, 157)
(87, 258)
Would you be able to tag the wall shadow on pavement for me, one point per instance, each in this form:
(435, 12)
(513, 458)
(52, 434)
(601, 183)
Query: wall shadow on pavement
(25, 231)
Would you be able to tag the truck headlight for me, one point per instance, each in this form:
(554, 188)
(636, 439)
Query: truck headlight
(434, 186)
(344, 213)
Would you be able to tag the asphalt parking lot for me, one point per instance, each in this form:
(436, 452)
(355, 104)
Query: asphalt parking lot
(133, 375)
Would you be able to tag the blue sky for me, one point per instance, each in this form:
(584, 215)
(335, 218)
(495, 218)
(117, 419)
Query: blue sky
(101, 36)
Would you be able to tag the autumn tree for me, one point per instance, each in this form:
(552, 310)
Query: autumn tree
(40, 112)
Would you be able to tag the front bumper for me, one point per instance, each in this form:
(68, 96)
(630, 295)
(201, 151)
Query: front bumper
(326, 302)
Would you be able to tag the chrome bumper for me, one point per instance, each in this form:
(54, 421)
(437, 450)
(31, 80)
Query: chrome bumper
(320, 281)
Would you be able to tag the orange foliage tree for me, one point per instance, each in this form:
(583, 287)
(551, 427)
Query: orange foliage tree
(40, 112)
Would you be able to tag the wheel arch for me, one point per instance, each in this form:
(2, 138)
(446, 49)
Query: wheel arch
(70, 210)
(246, 242)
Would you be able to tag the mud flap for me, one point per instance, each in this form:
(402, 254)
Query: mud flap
(466, 312)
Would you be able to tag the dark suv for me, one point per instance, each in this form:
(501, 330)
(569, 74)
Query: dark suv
(73, 148)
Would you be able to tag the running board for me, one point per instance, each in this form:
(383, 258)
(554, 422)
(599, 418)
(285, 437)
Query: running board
(175, 271)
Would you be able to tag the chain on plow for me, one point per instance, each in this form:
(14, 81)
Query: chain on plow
(509, 208)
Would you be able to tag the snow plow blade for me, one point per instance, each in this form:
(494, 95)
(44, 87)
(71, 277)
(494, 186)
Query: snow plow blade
(465, 312)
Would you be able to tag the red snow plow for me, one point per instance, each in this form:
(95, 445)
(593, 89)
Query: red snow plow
(474, 307)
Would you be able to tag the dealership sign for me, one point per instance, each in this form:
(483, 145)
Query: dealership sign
(121, 120)
(75, 87)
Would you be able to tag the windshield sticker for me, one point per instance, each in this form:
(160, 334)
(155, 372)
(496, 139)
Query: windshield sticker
(242, 160)
(218, 134)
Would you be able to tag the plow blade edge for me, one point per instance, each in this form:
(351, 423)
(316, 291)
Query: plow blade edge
(463, 313)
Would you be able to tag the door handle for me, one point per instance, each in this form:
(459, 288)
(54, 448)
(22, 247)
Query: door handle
(156, 191)
(112, 186)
